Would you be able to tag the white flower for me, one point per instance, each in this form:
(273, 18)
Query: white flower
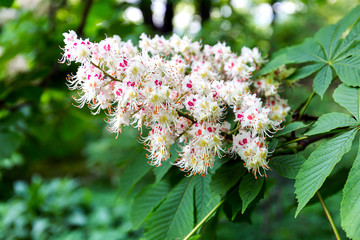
(182, 92)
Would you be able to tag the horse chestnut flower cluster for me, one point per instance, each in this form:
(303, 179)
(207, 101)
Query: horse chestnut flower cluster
(182, 92)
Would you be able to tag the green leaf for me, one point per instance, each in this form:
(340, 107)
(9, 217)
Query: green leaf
(175, 216)
(350, 204)
(165, 166)
(227, 176)
(272, 145)
(287, 165)
(349, 41)
(322, 80)
(162, 170)
(308, 51)
(8, 142)
(273, 64)
(205, 199)
(306, 71)
(348, 70)
(342, 26)
(291, 128)
(327, 37)
(249, 188)
(209, 229)
(145, 202)
(330, 121)
(137, 169)
(232, 206)
(349, 98)
(319, 165)
(195, 237)
(6, 3)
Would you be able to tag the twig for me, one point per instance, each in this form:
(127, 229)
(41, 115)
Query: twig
(185, 115)
(81, 27)
(106, 74)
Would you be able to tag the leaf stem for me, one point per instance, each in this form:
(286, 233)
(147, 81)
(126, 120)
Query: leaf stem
(106, 74)
(204, 220)
(182, 95)
(313, 136)
(296, 140)
(303, 109)
(327, 213)
(177, 138)
(185, 115)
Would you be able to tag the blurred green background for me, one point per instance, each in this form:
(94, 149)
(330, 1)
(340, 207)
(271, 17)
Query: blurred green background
(60, 168)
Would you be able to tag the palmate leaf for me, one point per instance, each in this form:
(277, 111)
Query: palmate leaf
(350, 204)
(330, 121)
(349, 98)
(205, 199)
(319, 165)
(175, 216)
(146, 201)
(337, 50)
(249, 188)
(329, 37)
(325, 51)
(287, 165)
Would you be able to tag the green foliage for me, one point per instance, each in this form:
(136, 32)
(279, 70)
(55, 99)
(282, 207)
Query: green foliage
(145, 202)
(38, 124)
(349, 98)
(249, 188)
(350, 204)
(175, 216)
(6, 3)
(9, 142)
(322, 80)
(319, 165)
(137, 169)
(327, 51)
(307, 70)
(165, 166)
(332, 52)
(294, 126)
(287, 165)
(330, 121)
(205, 198)
(60, 209)
(227, 176)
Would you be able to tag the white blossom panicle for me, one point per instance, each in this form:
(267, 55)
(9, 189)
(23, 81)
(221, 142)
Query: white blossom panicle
(182, 92)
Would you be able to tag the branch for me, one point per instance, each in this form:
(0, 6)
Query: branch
(185, 115)
(106, 74)
(81, 27)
